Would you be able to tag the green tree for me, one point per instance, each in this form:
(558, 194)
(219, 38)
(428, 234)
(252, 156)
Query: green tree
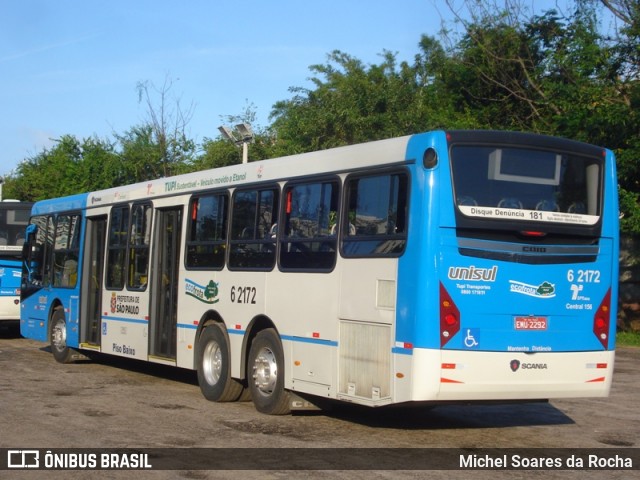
(71, 166)
(352, 103)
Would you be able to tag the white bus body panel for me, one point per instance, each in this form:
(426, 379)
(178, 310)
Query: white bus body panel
(9, 309)
(459, 375)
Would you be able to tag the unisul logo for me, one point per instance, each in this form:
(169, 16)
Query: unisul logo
(473, 274)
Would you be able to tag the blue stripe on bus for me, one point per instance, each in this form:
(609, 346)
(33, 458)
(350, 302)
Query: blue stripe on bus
(317, 341)
(127, 320)
(291, 338)
(402, 351)
(188, 326)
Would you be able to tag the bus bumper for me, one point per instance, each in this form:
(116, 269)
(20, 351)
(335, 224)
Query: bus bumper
(9, 308)
(449, 375)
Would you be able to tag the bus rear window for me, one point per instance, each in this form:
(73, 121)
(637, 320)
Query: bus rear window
(526, 184)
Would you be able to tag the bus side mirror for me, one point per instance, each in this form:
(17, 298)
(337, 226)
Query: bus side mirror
(30, 234)
(27, 253)
(30, 231)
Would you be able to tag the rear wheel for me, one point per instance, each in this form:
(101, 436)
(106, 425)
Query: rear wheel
(266, 374)
(61, 352)
(214, 366)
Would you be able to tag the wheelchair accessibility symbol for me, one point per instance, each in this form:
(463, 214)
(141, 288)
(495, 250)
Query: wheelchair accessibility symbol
(472, 339)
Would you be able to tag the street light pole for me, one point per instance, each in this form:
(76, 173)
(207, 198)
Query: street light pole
(241, 135)
(245, 152)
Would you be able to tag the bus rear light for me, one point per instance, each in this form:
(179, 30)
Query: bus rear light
(531, 233)
(602, 320)
(596, 365)
(449, 317)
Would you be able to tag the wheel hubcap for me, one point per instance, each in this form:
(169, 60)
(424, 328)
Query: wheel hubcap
(265, 371)
(59, 336)
(212, 363)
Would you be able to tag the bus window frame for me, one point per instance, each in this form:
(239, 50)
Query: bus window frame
(108, 285)
(346, 239)
(129, 260)
(466, 224)
(222, 243)
(284, 241)
(265, 241)
(69, 251)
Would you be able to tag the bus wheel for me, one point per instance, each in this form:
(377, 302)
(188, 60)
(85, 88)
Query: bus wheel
(214, 366)
(61, 352)
(266, 375)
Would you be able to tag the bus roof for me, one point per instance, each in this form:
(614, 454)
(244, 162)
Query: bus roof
(335, 159)
(72, 202)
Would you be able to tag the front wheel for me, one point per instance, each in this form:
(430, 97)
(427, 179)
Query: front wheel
(61, 352)
(266, 374)
(214, 367)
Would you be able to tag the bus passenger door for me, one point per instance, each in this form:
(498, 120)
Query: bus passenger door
(93, 267)
(164, 294)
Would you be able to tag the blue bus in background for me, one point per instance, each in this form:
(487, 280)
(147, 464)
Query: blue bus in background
(14, 218)
(438, 267)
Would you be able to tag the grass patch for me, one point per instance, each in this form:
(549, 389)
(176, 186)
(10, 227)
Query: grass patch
(628, 339)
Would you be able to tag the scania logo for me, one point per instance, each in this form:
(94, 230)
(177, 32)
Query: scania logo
(515, 365)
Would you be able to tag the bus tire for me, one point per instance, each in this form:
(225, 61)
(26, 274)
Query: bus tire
(266, 374)
(214, 366)
(61, 352)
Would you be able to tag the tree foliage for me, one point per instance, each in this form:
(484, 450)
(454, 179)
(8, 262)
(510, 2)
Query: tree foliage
(70, 166)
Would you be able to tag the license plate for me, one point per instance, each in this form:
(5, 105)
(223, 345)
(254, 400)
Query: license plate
(530, 323)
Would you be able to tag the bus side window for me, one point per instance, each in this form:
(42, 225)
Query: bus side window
(309, 242)
(207, 235)
(139, 240)
(253, 216)
(117, 247)
(66, 250)
(376, 223)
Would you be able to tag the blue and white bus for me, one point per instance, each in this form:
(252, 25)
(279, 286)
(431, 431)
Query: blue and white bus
(14, 218)
(436, 267)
